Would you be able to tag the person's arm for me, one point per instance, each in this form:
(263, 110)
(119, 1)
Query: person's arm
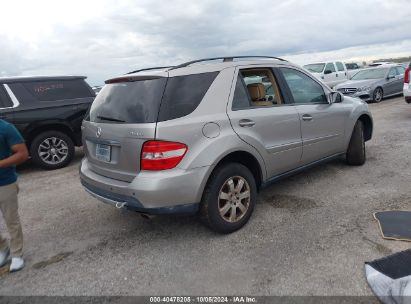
(20, 155)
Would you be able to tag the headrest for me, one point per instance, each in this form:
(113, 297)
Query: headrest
(257, 91)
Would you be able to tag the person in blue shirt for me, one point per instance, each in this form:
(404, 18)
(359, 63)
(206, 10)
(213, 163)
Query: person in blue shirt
(13, 151)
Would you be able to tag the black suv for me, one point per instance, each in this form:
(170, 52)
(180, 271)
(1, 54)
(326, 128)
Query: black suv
(48, 111)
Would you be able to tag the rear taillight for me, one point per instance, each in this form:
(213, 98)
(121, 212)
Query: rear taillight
(407, 75)
(161, 155)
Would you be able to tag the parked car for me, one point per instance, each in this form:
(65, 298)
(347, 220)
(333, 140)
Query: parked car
(407, 84)
(332, 72)
(206, 137)
(373, 84)
(378, 63)
(48, 111)
(352, 69)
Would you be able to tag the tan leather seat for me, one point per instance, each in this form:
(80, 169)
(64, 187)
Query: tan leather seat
(257, 94)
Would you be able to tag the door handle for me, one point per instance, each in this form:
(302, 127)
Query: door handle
(307, 117)
(246, 123)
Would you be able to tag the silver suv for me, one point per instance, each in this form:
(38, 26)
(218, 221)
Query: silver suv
(206, 135)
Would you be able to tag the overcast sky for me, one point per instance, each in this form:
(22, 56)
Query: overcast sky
(105, 38)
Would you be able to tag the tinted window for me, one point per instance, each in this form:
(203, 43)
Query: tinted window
(329, 67)
(183, 94)
(5, 101)
(303, 88)
(352, 66)
(58, 89)
(241, 99)
(315, 67)
(375, 73)
(340, 66)
(128, 102)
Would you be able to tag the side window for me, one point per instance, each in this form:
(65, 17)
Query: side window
(58, 89)
(183, 94)
(400, 71)
(241, 99)
(330, 67)
(340, 66)
(261, 89)
(303, 88)
(392, 73)
(5, 101)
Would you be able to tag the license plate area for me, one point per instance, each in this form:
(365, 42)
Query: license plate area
(103, 152)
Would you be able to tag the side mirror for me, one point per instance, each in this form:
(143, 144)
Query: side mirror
(327, 72)
(336, 97)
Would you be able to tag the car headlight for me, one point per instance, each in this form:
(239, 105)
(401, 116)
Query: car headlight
(364, 89)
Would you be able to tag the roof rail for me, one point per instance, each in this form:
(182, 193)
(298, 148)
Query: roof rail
(225, 59)
(149, 69)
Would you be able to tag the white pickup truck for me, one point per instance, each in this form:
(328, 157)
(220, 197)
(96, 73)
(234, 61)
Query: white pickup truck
(330, 72)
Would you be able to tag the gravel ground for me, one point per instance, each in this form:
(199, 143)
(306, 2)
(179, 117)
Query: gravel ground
(310, 234)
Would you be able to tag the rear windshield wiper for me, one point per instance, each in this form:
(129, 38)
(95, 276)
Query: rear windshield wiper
(110, 118)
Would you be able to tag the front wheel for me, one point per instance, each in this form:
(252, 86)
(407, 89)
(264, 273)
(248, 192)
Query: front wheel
(377, 95)
(356, 149)
(52, 150)
(229, 198)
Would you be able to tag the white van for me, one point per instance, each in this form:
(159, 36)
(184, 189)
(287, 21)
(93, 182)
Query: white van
(330, 72)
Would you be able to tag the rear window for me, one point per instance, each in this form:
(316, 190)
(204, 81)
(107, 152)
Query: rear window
(147, 101)
(59, 89)
(128, 102)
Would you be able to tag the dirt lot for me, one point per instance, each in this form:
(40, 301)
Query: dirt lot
(310, 234)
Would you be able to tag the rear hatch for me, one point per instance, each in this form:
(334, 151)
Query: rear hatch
(122, 117)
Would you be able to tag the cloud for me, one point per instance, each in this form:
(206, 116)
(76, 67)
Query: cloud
(105, 38)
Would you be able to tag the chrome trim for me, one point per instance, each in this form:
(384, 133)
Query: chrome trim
(284, 147)
(13, 97)
(318, 139)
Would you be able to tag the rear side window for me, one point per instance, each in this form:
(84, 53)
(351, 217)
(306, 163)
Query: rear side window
(340, 66)
(183, 94)
(58, 89)
(128, 102)
(5, 101)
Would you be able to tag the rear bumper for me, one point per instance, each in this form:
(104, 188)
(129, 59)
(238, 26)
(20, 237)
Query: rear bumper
(173, 191)
(407, 92)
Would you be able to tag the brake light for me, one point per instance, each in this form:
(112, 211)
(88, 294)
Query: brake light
(407, 75)
(161, 155)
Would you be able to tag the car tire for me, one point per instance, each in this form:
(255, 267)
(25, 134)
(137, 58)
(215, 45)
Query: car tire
(356, 149)
(225, 205)
(377, 95)
(52, 150)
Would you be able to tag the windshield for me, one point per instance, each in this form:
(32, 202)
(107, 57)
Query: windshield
(370, 74)
(315, 67)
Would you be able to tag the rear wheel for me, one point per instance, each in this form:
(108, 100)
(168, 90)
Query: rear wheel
(377, 95)
(52, 150)
(229, 198)
(356, 149)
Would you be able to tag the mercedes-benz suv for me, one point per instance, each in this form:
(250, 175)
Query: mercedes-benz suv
(206, 135)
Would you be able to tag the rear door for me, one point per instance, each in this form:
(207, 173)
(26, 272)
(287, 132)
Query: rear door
(390, 86)
(322, 123)
(122, 117)
(341, 74)
(260, 116)
(400, 79)
(330, 73)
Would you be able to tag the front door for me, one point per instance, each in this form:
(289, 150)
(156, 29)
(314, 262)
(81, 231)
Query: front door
(330, 74)
(260, 117)
(322, 123)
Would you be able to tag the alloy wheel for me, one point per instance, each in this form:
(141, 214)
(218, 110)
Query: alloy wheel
(53, 150)
(234, 199)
